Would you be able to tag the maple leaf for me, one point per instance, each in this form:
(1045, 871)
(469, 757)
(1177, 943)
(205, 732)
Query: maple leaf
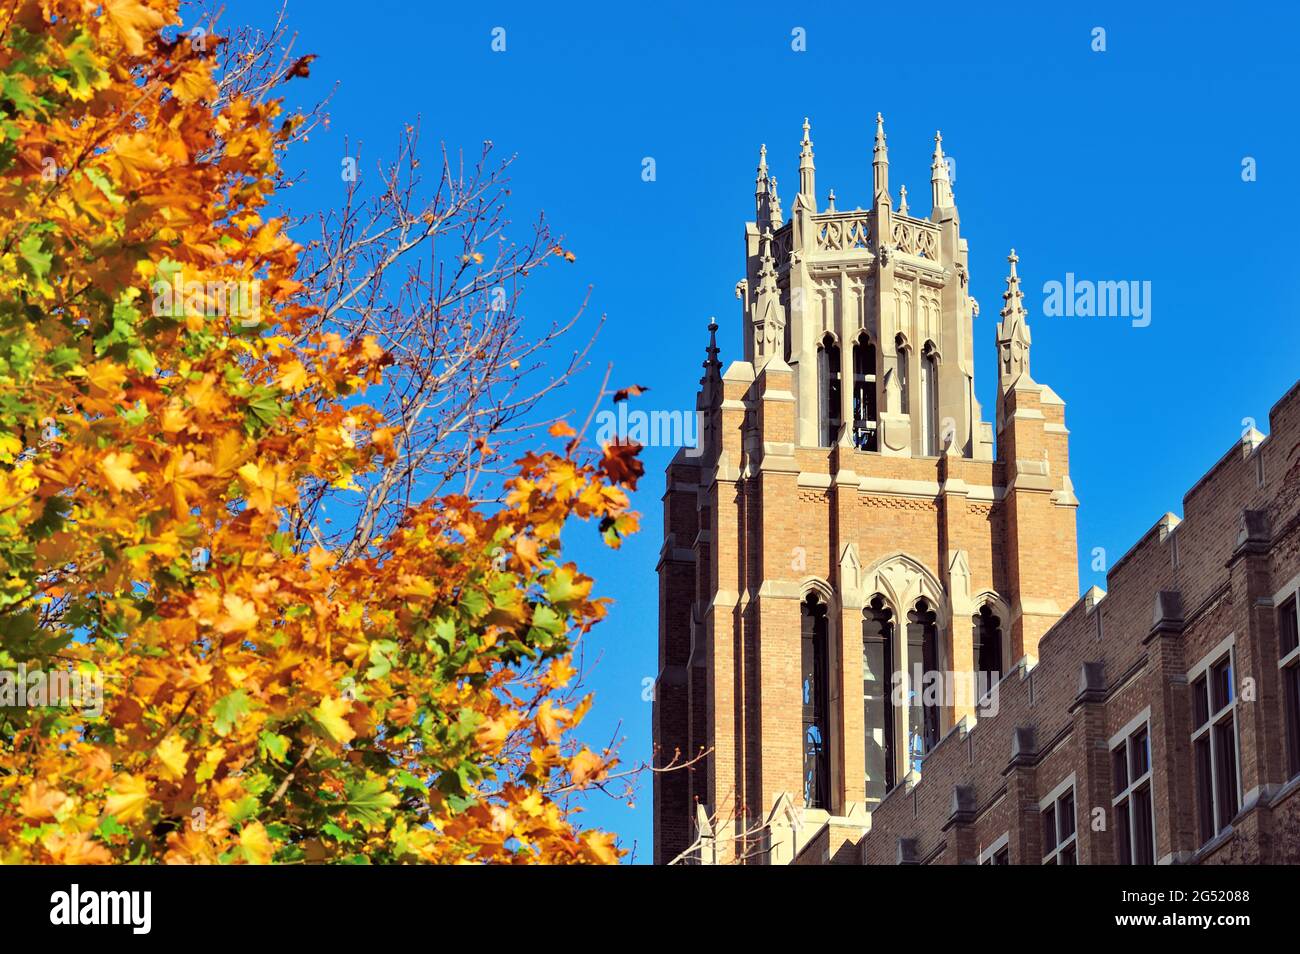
(585, 765)
(128, 798)
(256, 844)
(117, 468)
(619, 462)
(301, 67)
(330, 715)
(240, 614)
(129, 18)
(636, 390)
(171, 753)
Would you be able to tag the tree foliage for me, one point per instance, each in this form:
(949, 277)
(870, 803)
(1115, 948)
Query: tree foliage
(411, 699)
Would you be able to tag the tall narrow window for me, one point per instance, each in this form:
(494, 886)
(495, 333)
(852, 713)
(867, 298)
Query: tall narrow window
(1288, 631)
(877, 704)
(1133, 806)
(828, 377)
(864, 394)
(904, 392)
(816, 698)
(1214, 745)
(988, 649)
(1060, 842)
(930, 400)
(923, 661)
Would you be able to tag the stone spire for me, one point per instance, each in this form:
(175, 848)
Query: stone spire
(880, 165)
(712, 366)
(807, 171)
(1013, 332)
(902, 200)
(762, 186)
(769, 314)
(940, 185)
(774, 202)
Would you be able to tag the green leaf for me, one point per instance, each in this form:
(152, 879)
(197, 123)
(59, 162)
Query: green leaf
(229, 709)
(367, 801)
(273, 746)
(38, 261)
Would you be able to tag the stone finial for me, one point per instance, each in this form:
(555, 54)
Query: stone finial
(1167, 611)
(880, 165)
(940, 184)
(769, 313)
(774, 205)
(961, 809)
(1253, 529)
(1013, 331)
(907, 851)
(1092, 683)
(712, 366)
(807, 172)
(902, 200)
(1024, 745)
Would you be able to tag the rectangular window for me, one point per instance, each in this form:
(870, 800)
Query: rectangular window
(1132, 806)
(998, 853)
(1214, 743)
(1288, 632)
(878, 716)
(1060, 842)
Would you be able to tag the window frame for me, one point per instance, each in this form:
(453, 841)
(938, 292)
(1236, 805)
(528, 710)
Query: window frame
(990, 854)
(1126, 797)
(1288, 665)
(1070, 841)
(1209, 730)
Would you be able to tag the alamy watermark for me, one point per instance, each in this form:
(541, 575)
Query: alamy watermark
(175, 297)
(56, 688)
(651, 428)
(1084, 298)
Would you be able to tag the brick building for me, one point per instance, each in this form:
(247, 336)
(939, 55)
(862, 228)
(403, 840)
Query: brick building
(849, 519)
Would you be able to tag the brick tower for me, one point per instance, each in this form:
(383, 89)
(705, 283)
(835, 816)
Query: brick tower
(846, 520)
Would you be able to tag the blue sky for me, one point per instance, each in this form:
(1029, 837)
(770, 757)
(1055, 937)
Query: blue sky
(1117, 165)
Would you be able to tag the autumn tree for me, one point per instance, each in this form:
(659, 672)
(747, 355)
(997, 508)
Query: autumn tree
(420, 254)
(174, 394)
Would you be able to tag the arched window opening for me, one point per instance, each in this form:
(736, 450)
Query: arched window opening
(864, 394)
(877, 697)
(930, 400)
(923, 661)
(815, 687)
(904, 391)
(828, 378)
(988, 649)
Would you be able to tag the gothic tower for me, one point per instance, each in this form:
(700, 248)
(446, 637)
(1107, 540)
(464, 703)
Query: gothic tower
(846, 522)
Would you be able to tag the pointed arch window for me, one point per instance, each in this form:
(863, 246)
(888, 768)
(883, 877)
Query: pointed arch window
(864, 394)
(815, 689)
(828, 390)
(924, 711)
(904, 389)
(930, 400)
(988, 649)
(879, 717)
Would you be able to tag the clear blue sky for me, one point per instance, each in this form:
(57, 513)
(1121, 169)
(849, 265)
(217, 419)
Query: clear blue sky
(1116, 165)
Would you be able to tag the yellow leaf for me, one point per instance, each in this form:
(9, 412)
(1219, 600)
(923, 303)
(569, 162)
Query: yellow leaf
(240, 615)
(256, 844)
(128, 799)
(117, 468)
(585, 765)
(129, 17)
(293, 377)
(171, 753)
(330, 715)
